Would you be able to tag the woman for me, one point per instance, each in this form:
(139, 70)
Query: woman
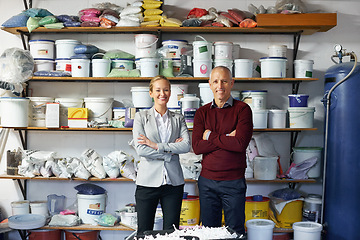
(159, 137)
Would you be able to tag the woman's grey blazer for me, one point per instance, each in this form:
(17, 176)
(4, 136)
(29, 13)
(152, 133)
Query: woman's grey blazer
(153, 162)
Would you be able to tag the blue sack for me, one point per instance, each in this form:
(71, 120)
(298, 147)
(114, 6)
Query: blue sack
(19, 20)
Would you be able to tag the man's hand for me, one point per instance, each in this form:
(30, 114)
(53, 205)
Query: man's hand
(205, 134)
(232, 134)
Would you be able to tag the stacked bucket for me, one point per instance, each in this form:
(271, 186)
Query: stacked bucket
(145, 55)
(43, 52)
(202, 62)
(300, 115)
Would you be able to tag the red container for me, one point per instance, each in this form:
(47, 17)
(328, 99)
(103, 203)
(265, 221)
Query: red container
(81, 234)
(45, 234)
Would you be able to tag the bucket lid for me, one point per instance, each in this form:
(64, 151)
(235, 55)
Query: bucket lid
(175, 40)
(40, 40)
(307, 226)
(80, 60)
(44, 59)
(223, 43)
(304, 61)
(27, 221)
(67, 41)
(243, 60)
(16, 203)
(254, 91)
(277, 111)
(273, 58)
(98, 99)
(149, 60)
(101, 60)
(62, 59)
(313, 198)
(122, 59)
(119, 108)
(260, 223)
(38, 203)
(256, 198)
(301, 109)
(260, 111)
(204, 85)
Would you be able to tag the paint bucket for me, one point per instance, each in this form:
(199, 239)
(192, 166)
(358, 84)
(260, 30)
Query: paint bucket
(20, 207)
(37, 110)
(177, 92)
(90, 207)
(244, 68)
(66, 103)
(65, 47)
(273, 67)
(265, 168)
(256, 207)
(14, 111)
(80, 67)
(260, 118)
(256, 99)
(119, 113)
(189, 114)
(100, 67)
(176, 66)
(298, 100)
(206, 94)
(303, 68)
(145, 45)
(276, 50)
(44, 64)
(141, 97)
(122, 63)
(301, 117)
(224, 62)
(63, 64)
(260, 229)
(42, 48)
(202, 67)
(44, 234)
(81, 234)
(277, 118)
(190, 211)
(307, 230)
(100, 109)
(301, 154)
(39, 207)
(129, 218)
(202, 50)
(291, 213)
(149, 67)
(189, 101)
(174, 48)
(312, 208)
(223, 50)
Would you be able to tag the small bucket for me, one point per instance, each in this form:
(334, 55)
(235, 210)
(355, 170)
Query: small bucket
(63, 64)
(44, 234)
(260, 229)
(265, 168)
(81, 235)
(189, 101)
(100, 109)
(257, 207)
(174, 48)
(42, 48)
(277, 118)
(223, 50)
(277, 50)
(303, 68)
(149, 67)
(44, 64)
(307, 230)
(202, 49)
(260, 118)
(20, 207)
(90, 207)
(119, 113)
(273, 67)
(145, 45)
(301, 117)
(206, 95)
(37, 110)
(312, 208)
(39, 207)
(298, 100)
(141, 97)
(66, 103)
(14, 111)
(100, 67)
(190, 212)
(177, 92)
(202, 67)
(301, 154)
(129, 218)
(65, 47)
(80, 67)
(122, 63)
(244, 68)
(256, 99)
(224, 62)
(291, 213)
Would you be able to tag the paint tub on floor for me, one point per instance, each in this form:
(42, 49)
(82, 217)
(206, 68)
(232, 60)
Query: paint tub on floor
(149, 67)
(223, 50)
(66, 103)
(63, 64)
(20, 207)
(122, 63)
(301, 154)
(44, 234)
(277, 118)
(190, 212)
(44, 64)
(243, 68)
(100, 109)
(260, 229)
(202, 67)
(224, 62)
(257, 207)
(39, 207)
(37, 110)
(256, 99)
(277, 50)
(42, 48)
(206, 95)
(100, 67)
(90, 207)
(145, 45)
(65, 47)
(303, 68)
(298, 100)
(273, 67)
(80, 67)
(260, 118)
(81, 234)
(307, 230)
(174, 48)
(265, 168)
(14, 111)
(291, 213)
(141, 97)
(202, 50)
(177, 92)
(301, 117)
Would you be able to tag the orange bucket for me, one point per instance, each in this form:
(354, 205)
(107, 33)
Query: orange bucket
(45, 234)
(81, 234)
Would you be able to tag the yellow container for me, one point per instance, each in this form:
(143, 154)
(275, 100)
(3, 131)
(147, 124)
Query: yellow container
(292, 212)
(256, 207)
(190, 211)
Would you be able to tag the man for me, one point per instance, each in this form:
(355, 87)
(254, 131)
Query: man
(222, 131)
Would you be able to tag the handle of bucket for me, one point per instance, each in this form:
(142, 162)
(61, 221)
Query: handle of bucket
(40, 105)
(79, 110)
(97, 54)
(146, 46)
(245, 97)
(201, 37)
(104, 112)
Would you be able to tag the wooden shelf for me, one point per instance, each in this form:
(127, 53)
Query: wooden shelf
(89, 227)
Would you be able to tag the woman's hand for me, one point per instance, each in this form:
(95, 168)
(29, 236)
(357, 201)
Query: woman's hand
(145, 141)
(179, 139)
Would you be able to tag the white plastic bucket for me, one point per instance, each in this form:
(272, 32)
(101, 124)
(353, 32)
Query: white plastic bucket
(122, 63)
(223, 50)
(80, 67)
(224, 62)
(44, 64)
(256, 99)
(189, 101)
(100, 109)
(65, 47)
(14, 111)
(236, 51)
(129, 219)
(273, 67)
(202, 49)
(149, 67)
(260, 229)
(303, 68)
(91, 207)
(177, 92)
(66, 103)
(42, 48)
(141, 97)
(307, 230)
(265, 168)
(101, 67)
(119, 113)
(206, 94)
(174, 48)
(63, 64)
(20, 207)
(244, 68)
(301, 154)
(39, 207)
(277, 118)
(301, 117)
(176, 66)
(202, 67)
(277, 50)
(37, 110)
(260, 118)
(145, 45)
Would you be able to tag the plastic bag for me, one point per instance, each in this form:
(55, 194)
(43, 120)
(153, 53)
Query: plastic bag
(108, 5)
(19, 20)
(37, 12)
(113, 54)
(93, 162)
(67, 18)
(290, 6)
(89, 189)
(47, 20)
(78, 168)
(33, 23)
(58, 25)
(111, 167)
(72, 24)
(106, 220)
(299, 171)
(90, 11)
(83, 48)
(64, 220)
(285, 194)
(130, 10)
(89, 24)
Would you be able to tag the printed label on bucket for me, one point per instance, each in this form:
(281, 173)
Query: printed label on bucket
(203, 68)
(94, 209)
(308, 74)
(203, 49)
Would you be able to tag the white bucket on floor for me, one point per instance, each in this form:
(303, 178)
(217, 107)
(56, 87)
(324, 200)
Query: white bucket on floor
(265, 168)
(91, 207)
(206, 95)
(224, 62)
(65, 47)
(189, 101)
(303, 68)
(260, 118)
(44, 64)
(42, 48)
(277, 118)
(202, 49)
(37, 110)
(149, 67)
(63, 64)
(202, 67)
(307, 230)
(223, 50)
(260, 229)
(100, 109)
(141, 97)
(276, 50)
(39, 207)
(20, 207)
(301, 154)
(100, 67)
(244, 68)
(301, 117)
(80, 67)
(14, 111)
(256, 99)
(177, 92)
(145, 45)
(122, 63)
(273, 67)
(66, 103)
(174, 48)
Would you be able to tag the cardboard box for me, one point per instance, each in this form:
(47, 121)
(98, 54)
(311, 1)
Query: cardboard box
(78, 117)
(52, 117)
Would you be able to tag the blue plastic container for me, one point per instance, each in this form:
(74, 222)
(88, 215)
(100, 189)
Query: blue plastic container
(298, 100)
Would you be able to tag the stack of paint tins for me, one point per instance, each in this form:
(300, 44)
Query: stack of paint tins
(300, 115)
(145, 55)
(43, 52)
(202, 62)
(223, 55)
(171, 62)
